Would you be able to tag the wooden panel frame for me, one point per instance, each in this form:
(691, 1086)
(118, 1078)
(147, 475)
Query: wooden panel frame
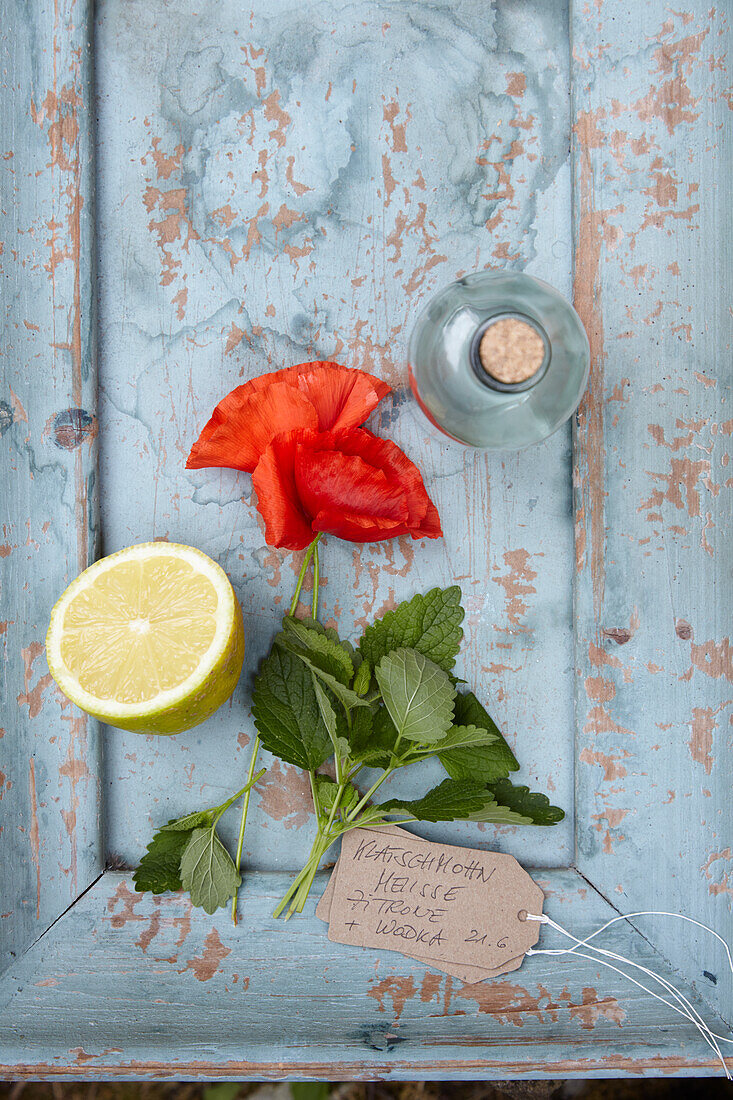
(105, 983)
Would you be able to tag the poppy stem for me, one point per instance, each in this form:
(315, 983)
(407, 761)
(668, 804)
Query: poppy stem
(316, 579)
(301, 576)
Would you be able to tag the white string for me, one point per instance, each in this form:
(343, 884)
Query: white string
(689, 1012)
(651, 913)
(701, 1028)
(662, 981)
(622, 958)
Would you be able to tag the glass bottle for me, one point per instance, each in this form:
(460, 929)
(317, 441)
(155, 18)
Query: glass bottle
(498, 360)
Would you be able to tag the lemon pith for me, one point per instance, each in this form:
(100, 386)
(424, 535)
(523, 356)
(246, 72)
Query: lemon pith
(149, 639)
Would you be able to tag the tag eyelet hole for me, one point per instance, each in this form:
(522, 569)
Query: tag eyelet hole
(522, 915)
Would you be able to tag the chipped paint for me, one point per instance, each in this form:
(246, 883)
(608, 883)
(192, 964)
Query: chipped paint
(208, 963)
(398, 990)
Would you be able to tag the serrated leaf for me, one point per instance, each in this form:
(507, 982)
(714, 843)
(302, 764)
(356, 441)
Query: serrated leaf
(363, 678)
(208, 871)
(418, 695)
(286, 712)
(429, 623)
(452, 800)
(325, 651)
(486, 763)
(327, 790)
(372, 738)
(462, 737)
(159, 869)
(533, 807)
(348, 698)
(330, 718)
(196, 820)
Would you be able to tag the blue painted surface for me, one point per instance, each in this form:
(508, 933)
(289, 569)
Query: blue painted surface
(653, 160)
(297, 187)
(140, 987)
(295, 183)
(50, 834)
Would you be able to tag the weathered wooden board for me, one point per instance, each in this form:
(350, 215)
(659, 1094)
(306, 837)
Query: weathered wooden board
(654, 283)
(295, 185)
(295, 182)
(49, 752)
(143, 987)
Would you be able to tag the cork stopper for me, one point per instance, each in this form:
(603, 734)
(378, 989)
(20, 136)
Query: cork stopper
(511, 351)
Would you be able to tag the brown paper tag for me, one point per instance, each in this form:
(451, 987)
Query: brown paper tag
(469, 974)
(439, 902)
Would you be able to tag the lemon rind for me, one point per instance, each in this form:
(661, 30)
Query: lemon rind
(225, 618)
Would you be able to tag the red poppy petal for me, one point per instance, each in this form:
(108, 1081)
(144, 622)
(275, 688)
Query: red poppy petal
(241, 437)
(329, 479)
(352, 528)
(286, 523)
(430, 527)
(423, 517)
(342, 397)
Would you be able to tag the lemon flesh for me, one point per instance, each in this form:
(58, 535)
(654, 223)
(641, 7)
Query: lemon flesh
(149, 639)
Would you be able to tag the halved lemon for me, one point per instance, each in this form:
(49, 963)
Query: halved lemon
(149, 639)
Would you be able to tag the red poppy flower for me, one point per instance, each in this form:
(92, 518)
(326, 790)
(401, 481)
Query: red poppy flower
(346, 483)
(319, 396)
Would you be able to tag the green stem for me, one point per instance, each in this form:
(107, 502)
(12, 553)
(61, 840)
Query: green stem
(322, 843)
(301, 575)
(316, 801)
(291, 890)
(243, 822)
(300, 887)
(316, 579)
(219, 810)
(374, 787)
(334, 808)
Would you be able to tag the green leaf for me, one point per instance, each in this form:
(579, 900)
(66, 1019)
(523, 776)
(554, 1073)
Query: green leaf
(480, 762)
(372, 738)
(363, 678)
(208, 871)
(452, 800)
(462, 737)
(159, 869)
(418, 695)
(197, 820)
(534, 808)
(327, 790)
(330, 719)
(286, 712)
(328, 631)
(323, 650)
(430, 623)
(348, 698)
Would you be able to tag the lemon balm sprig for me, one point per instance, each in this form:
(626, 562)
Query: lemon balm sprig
(311, 554)
(187, 854)
(388, 703)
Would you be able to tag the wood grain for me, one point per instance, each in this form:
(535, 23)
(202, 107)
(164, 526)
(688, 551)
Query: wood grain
(266, 202)
(129, 986)
(653, 264)
(49, 751)
(296, 184)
